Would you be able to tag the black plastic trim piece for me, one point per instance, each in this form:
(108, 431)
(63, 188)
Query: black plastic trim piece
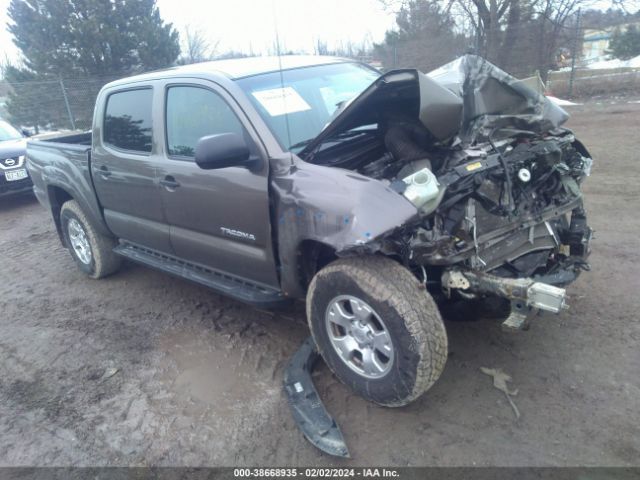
(310, 414)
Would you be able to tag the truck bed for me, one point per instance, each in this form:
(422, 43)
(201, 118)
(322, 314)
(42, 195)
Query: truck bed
(60, 167)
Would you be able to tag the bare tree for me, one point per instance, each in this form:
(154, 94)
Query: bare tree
(320, 47)
(197, 48)
(425, 37)
(520, 36)
(486, 17)
(553, 19)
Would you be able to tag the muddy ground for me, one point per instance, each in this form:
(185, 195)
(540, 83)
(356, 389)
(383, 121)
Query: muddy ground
(198, 378)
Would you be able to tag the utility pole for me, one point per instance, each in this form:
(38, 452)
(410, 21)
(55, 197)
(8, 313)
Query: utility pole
(66, 102)
(574, 53)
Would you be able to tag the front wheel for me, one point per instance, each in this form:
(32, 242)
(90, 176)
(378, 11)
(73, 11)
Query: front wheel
(377, 329)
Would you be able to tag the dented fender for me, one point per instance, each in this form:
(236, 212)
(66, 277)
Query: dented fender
(336, 207)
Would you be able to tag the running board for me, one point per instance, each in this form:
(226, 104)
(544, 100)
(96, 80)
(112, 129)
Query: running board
(222, 283)
(310, 414)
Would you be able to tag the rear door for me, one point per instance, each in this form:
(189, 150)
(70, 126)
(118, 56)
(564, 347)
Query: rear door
(218, 218)
(123, 166)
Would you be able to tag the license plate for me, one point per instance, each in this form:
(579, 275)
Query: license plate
(14, 175)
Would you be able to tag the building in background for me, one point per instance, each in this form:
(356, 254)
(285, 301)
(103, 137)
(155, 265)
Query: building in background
(595, 45)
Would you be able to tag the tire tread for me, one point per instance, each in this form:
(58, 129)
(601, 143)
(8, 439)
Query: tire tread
(105, 260)
(388, 281)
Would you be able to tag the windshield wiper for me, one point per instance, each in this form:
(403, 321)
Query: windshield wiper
(339, 136)
(303, 143)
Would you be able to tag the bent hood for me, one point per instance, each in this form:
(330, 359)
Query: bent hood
(468, 98)
(494, 99)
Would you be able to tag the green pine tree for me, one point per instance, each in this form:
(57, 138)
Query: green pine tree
(625, 45)
(97, 39)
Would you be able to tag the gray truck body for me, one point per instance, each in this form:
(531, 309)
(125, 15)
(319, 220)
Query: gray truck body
(260, 233)
(122, 194)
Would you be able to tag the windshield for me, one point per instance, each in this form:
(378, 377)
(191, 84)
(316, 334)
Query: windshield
(309, 97)
(7, 132)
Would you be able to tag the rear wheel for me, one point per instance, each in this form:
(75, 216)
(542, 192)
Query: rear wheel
(92, 251)
(378, 330)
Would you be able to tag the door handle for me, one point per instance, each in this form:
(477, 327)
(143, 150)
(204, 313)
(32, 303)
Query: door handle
(104, 171)
(169, 182)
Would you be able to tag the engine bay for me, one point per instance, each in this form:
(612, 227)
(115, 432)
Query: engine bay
(501, 194)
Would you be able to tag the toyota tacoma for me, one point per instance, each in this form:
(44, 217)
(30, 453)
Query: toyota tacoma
(377, 198)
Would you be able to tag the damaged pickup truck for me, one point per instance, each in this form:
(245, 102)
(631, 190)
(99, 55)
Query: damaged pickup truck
(375, 197)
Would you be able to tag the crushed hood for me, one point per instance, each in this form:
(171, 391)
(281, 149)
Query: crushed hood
(468, 98)
(494, 99)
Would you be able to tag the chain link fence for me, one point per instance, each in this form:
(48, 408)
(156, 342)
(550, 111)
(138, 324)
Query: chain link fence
(62, 103)
(53, 104)
(593, 83)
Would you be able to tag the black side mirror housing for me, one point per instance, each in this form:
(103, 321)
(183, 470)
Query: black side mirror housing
(25, 132)
(223, 150)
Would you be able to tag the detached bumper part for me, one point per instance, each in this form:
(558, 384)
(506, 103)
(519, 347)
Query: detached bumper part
(308, 410)
(527, 296)
(546, 297)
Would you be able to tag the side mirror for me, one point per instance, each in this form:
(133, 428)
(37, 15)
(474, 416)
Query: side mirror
(25, 132)
(222, 150)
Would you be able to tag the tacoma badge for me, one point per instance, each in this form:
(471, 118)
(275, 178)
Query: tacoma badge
(237, 233)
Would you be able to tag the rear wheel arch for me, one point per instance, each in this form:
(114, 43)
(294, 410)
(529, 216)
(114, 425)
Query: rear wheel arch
(58, 196)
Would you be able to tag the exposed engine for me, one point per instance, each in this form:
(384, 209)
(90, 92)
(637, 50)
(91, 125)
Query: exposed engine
(525, 222)
(483, 158)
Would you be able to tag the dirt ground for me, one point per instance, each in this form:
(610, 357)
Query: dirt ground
(199, 377)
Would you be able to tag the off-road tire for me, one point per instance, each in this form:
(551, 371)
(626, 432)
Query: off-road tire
(104, 261)
(410, 314)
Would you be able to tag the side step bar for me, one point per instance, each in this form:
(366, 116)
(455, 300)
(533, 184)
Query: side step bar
(222, 283)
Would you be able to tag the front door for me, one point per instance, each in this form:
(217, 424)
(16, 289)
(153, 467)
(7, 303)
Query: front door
(124, 171)
(217, 218)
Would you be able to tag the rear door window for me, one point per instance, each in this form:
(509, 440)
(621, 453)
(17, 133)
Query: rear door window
(192, 113)
(127, 120)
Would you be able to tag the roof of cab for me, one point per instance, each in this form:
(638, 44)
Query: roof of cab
(235, 68)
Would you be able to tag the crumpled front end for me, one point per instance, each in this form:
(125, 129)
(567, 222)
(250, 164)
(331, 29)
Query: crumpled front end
(502, 238)
(493, 99)
(329, 207)
(493, 178)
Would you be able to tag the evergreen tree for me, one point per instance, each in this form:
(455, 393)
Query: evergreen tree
(98, 39)
(625, 45)
(92, 37)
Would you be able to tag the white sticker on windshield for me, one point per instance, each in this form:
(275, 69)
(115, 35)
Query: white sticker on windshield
(279, 101)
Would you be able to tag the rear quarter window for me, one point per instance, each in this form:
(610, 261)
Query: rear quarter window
(127, 120)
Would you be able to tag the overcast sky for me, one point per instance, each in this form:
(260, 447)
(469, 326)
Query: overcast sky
(251, 24)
